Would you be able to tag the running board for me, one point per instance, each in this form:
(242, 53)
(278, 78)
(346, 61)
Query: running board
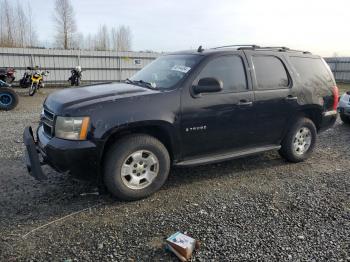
(226, 156)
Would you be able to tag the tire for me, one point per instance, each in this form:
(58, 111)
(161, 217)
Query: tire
(292, 148)
(32, 89)
(345, 119)
(22, 83)
(8, 99)
(127, 156)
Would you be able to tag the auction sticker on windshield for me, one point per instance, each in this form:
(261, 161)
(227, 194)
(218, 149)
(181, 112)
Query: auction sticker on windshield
(181, 68)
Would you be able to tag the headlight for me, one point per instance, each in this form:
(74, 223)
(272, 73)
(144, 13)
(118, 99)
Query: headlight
(72, 128)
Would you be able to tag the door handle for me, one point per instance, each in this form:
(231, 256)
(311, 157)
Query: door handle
(245, 102)
(291, 98)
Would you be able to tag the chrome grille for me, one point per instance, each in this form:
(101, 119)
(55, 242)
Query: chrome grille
(47, 121)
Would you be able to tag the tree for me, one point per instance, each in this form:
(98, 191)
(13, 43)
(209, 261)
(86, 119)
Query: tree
(7, 29)
(65, 23)
(21, 30)
(102, 39)
(123, 38)
(31, 30)
(89, 42)
(16, 25)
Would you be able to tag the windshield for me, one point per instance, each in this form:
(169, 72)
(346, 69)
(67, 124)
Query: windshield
(166, 71)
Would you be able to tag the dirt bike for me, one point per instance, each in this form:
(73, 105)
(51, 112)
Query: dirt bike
(37, 79)
(8, 97)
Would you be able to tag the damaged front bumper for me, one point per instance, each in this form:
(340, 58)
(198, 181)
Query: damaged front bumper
(80, 158)
(33, 156)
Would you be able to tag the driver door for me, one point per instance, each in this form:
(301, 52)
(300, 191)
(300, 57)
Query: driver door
(221, 121)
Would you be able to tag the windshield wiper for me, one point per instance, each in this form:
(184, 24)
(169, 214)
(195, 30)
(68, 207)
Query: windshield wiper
(128, 81)
(141, 83)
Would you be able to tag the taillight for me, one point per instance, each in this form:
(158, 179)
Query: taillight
(335, 97)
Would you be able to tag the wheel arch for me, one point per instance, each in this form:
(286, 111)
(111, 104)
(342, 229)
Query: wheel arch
(314, 113)
(161, 130)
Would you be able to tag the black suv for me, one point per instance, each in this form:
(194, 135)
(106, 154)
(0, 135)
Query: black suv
(186, 109)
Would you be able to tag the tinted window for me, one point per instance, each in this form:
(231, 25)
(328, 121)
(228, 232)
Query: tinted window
(270, 73)
(312, 71)
(228, 69)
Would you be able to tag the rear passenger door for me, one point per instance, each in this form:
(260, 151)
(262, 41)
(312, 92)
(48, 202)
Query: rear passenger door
(274, 99)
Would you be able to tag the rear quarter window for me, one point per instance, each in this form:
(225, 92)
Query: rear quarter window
(312, 71)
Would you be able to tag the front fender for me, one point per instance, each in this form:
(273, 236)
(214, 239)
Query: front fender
(166, 132)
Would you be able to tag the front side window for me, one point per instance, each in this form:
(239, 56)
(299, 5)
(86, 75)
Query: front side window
(229, 70)
(270, 73)
(166, 71)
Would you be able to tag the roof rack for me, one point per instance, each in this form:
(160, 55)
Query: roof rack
(276, 48)
(256, 47)
(228, 46)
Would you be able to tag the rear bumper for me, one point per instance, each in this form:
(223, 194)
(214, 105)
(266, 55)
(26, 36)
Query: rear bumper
(79, 157)
(328, 120)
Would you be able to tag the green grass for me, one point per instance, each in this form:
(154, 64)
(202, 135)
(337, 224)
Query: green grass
(343, 88)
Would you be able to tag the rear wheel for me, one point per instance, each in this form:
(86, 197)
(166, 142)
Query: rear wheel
(8, 99)
(136, 166)
(345, 118)
(300, 141)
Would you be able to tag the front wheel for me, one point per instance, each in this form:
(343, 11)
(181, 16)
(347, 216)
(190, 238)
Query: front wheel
(300, 141)
(345, 118)
(136, 167)
(8, 99)
(32, 89)
(77, 82)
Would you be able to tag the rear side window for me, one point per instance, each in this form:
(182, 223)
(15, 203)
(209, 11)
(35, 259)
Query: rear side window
(270, 73)
(312, 71)
(228, 69)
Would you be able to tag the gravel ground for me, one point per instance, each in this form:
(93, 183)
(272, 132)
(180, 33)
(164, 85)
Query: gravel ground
(256, 208)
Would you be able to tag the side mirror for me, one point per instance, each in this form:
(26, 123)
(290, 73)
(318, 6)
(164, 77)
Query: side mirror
(208, 85)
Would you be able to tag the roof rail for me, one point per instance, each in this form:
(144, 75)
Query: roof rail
(228, 46)
(278, 48)
(256, 47)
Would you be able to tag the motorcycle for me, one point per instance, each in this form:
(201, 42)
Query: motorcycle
(76, 75)
(8, 97)
(7, 75)
(33, 79)
(26, 80)
(37, 79)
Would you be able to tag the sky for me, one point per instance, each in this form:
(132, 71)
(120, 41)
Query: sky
(321, 27)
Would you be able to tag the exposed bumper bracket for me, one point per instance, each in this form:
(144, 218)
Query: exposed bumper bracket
(32, 155)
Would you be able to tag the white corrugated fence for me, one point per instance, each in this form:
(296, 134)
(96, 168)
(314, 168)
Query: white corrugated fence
(340, 67)
(97, 66)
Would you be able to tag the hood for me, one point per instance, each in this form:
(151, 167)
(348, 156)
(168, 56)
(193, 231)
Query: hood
(93, 94)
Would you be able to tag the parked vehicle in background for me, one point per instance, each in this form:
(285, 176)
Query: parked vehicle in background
(186, 109)
(26, 80)
(37, 81)
(76, 75)
(8, 75)
(344, 107)
(8, 97)
(33, 79)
